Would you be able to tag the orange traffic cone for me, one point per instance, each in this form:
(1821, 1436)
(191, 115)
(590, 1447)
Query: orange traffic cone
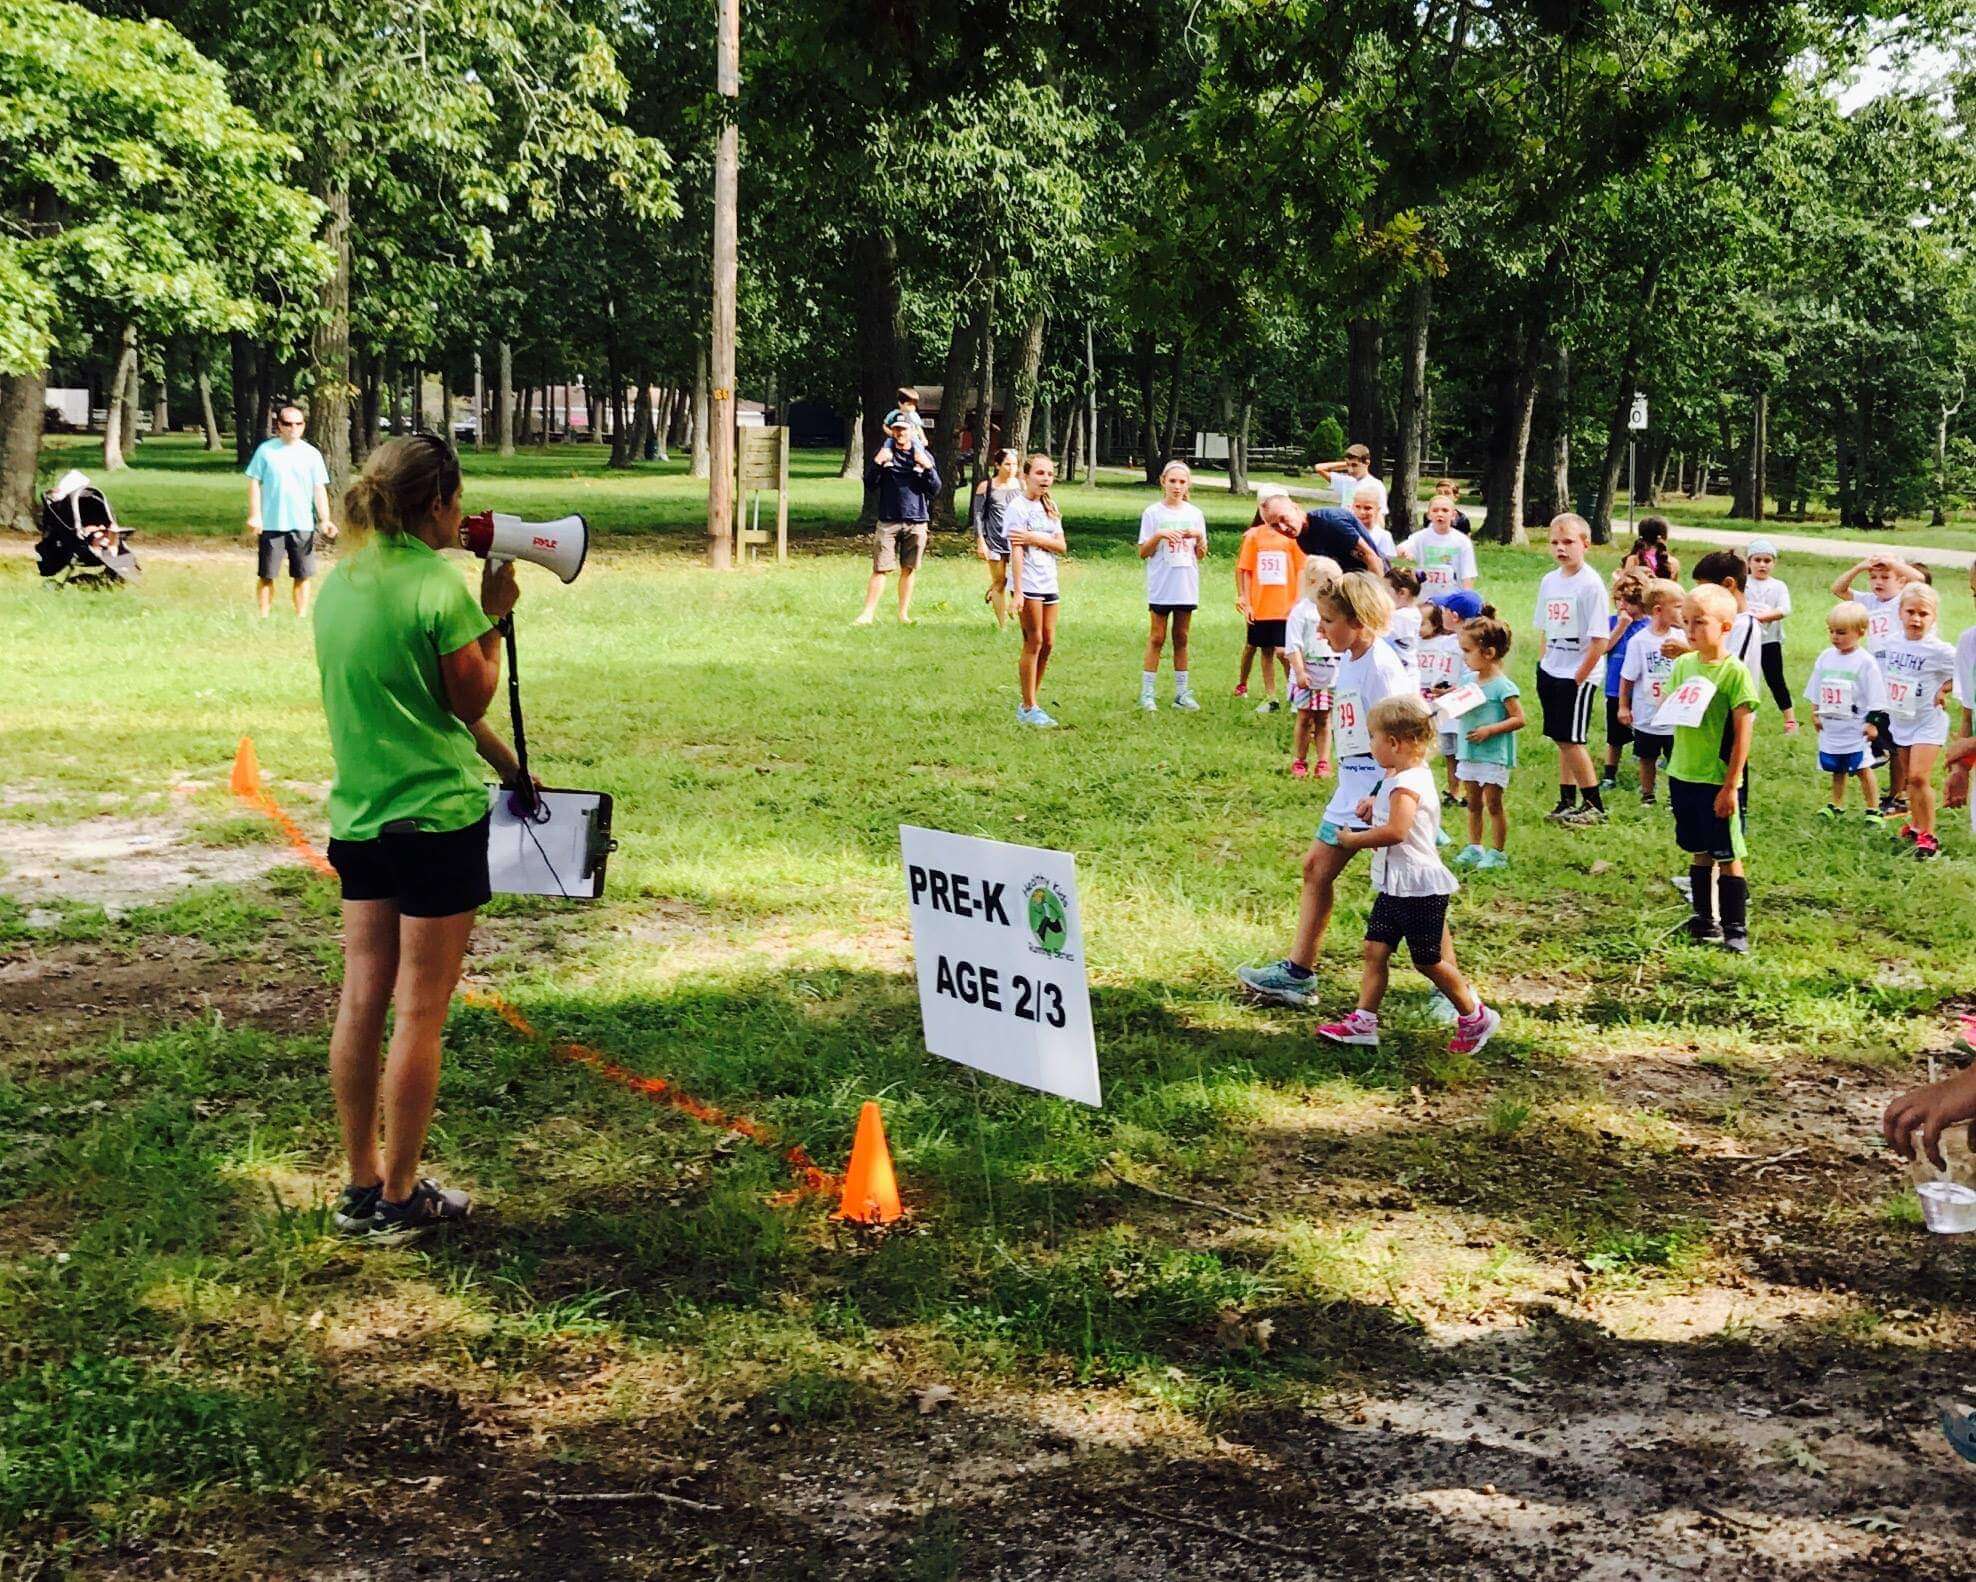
(246, 770)
(871, 1191)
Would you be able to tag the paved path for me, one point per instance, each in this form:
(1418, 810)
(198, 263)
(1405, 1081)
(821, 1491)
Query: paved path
(1848, 549)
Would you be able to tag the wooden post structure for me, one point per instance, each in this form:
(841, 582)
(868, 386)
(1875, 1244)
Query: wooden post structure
(726, 262)
(761, 462)
(479, 403)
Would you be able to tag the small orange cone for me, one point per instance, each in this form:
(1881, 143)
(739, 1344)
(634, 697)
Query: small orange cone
(871, 1191)
(246, 770)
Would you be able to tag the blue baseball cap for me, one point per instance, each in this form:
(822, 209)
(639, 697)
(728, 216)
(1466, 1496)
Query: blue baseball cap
(1464, 602)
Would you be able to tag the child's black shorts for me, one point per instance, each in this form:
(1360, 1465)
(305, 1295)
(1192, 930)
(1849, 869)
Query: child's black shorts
(1420, 920)
(1617, 734)
(1697, 829)
(1567, 707)
(1652, 749)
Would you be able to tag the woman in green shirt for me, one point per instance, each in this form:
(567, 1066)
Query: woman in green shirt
(409, 662)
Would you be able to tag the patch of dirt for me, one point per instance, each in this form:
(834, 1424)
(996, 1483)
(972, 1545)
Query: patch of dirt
(117, 863)
(54, 997)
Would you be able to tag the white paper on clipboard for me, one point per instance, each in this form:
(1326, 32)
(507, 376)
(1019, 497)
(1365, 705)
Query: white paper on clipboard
(561, 855)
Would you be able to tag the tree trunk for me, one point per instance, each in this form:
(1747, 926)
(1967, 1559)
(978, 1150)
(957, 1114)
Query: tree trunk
(245, 406)
(364, 434)
(853, 466)
(208, 419)
(661, 423)
(641, 418)
(116, 407)
(446, 402)
(1046, 443)
(1172, 439)
(329, 352)
(1364, 402)
(984, 387)
(1238, 450)
(953, 405)
(267, 370)
(1618, 433)
(161, 415)
(1843, 496)
(1759, 454)
(1509, 439)
(1560, 480)
(1149, 436)
(881, 334)
(418, 397)
(504, 398)
(1028, 361)
(132, 389)
(23, 401)
(1091, 409)
(1740, 457)
(1065, 467)
(702, 457)
(1939, 517)
(1405, 490)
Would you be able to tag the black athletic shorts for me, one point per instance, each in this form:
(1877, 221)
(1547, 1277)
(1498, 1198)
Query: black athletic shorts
(1173, 609)
(1617, 734)
(1652, 749)
(1567, 706)
(1266, 634)
(1697, 829)
(298, 548)
(426, 874)
(1420, 920)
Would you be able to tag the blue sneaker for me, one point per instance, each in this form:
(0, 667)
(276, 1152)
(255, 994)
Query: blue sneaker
(1186, 702)
(1041, 720)
(1442, 1010)
(1491, 858)
(1469, 857)
(1443, 838)
(1277, 983)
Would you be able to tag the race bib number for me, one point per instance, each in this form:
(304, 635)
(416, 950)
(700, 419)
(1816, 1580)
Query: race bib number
(1272, 568)
(1463, 700)
(1879, 629)
(1348, 720)
(1561, 619)
(1436, 669)
(1657, 685)
(1686, 704)
(1904, 697)
(1180, 554)
(1835, 694)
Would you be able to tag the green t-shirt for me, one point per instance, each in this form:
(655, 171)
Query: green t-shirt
(382, 620)
(1497, 749)
(1701, 752)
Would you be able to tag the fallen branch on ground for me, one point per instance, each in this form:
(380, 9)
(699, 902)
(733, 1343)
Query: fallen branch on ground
(1294, 1551)
(624, 1497)
(1117, 1174)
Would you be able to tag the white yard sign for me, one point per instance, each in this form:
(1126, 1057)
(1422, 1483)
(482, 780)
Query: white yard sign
(1000, 950)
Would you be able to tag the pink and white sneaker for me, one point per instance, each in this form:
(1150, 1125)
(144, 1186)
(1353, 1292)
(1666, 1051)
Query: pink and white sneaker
(1472, 1032)
(1299, 769)
(1360, 1028)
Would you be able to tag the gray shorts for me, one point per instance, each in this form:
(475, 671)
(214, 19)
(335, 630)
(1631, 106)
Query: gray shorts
(300, 549)
(898, 544)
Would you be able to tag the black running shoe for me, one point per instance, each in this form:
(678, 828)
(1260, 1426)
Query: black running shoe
(355, 1208)
(1704, 933)
(430, 1205)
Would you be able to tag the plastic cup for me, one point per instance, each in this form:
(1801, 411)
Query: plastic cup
(1947, 1208)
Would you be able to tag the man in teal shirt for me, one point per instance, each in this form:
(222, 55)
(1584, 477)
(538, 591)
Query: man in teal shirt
(287, 495)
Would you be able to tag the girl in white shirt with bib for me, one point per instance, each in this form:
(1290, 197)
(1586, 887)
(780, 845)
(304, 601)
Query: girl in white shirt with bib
(1173, 536)
(1400, 825)
(1034, 529)
(1355, 614)
(1919, 671)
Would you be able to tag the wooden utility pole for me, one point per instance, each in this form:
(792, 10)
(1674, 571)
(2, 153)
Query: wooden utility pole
(727, 182)
(1091, 429)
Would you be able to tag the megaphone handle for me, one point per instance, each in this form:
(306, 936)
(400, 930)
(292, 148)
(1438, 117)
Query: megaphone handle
(524, 788)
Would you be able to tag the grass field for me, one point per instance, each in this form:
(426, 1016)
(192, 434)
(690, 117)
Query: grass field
(1636, 1288)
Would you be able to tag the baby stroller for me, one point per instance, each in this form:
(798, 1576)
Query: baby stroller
(80, 539)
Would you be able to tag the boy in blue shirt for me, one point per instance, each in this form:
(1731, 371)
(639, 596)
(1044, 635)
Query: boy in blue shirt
(1629, 592)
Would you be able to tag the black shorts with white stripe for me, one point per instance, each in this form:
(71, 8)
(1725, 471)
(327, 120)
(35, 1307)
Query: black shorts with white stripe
(1567, 706)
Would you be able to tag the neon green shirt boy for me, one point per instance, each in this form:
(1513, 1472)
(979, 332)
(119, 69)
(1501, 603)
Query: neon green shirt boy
(1701, 751)
(384, 617)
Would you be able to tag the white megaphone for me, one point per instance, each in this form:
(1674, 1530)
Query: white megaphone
(560, 545)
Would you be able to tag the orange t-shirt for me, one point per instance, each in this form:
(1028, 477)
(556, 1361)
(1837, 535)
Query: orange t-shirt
(1274, 563)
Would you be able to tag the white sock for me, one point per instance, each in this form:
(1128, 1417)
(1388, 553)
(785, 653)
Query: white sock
(1180, 683)
(1148, 680)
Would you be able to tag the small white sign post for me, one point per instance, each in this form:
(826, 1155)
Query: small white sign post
(999, 946)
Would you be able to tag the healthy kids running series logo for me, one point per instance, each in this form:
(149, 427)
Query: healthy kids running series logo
(1047, 912)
